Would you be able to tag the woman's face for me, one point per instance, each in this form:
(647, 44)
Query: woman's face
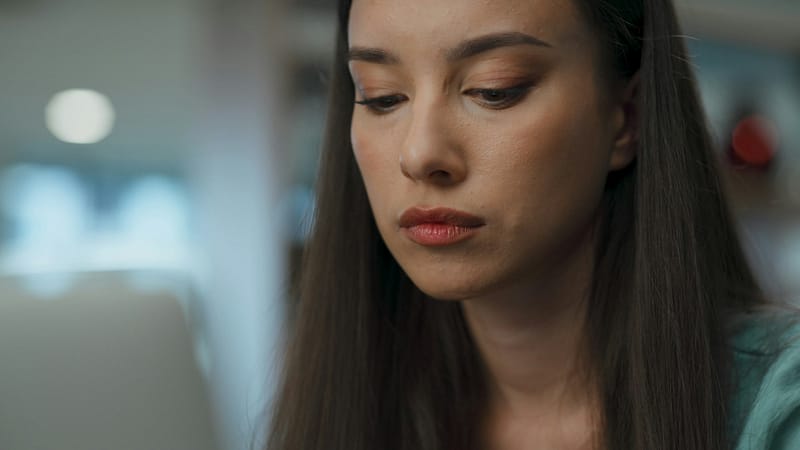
(492, 108)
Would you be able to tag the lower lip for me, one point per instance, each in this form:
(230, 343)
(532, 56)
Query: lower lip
(439, 234)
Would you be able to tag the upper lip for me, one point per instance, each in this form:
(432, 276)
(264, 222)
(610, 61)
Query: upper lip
(418, 215)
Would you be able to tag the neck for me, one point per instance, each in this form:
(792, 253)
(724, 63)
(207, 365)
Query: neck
(532, 341)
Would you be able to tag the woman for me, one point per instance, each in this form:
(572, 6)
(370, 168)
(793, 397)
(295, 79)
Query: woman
(521, 242)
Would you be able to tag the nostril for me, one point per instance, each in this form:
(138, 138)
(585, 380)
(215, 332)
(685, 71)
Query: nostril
(440, 176)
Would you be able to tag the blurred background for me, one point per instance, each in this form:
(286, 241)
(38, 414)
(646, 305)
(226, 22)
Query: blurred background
(157, 160)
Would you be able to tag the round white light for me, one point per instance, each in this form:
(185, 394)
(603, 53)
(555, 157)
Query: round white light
(80, 116)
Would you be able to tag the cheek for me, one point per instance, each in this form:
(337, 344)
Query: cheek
(553, 157)
(364, 149)
(373, 157)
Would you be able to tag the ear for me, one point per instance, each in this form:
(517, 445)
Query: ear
(626, 125)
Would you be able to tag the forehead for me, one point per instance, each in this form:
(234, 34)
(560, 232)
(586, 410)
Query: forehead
(440, 24)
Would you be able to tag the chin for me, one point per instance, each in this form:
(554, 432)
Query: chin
(444, 295)
(447, 287)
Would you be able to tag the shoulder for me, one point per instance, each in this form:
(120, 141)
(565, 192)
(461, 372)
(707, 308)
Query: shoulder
(766, 401)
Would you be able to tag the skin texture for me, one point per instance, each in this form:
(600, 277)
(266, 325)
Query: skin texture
(534, 171)
(531, 162)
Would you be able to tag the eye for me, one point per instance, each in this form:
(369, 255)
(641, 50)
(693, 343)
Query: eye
(383, 104)
(499, 98)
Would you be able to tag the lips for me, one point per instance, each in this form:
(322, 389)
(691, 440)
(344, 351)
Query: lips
(439, 226)
(418, 216)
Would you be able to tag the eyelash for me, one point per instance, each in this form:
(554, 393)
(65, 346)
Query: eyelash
(511, 96)
(378, 105)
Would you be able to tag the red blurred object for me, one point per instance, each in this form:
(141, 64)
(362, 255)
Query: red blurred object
(754, 142)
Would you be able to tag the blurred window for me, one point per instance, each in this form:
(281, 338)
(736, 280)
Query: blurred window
(62, 219)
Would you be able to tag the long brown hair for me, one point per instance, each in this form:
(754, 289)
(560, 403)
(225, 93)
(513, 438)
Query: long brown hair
(372, 363)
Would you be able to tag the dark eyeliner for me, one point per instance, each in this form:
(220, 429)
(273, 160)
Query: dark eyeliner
(379, 105)
(512, 95)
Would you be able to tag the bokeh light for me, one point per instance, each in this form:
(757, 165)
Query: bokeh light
(80, 116)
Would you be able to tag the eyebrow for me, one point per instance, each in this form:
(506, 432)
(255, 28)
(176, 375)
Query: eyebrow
(464, 50)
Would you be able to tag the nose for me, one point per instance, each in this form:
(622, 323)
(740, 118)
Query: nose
(432, 152)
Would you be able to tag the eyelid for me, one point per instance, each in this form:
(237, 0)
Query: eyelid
(514, 94)
(385, 104)
(374, 105)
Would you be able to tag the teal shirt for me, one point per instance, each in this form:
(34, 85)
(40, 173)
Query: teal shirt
(766, 406)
